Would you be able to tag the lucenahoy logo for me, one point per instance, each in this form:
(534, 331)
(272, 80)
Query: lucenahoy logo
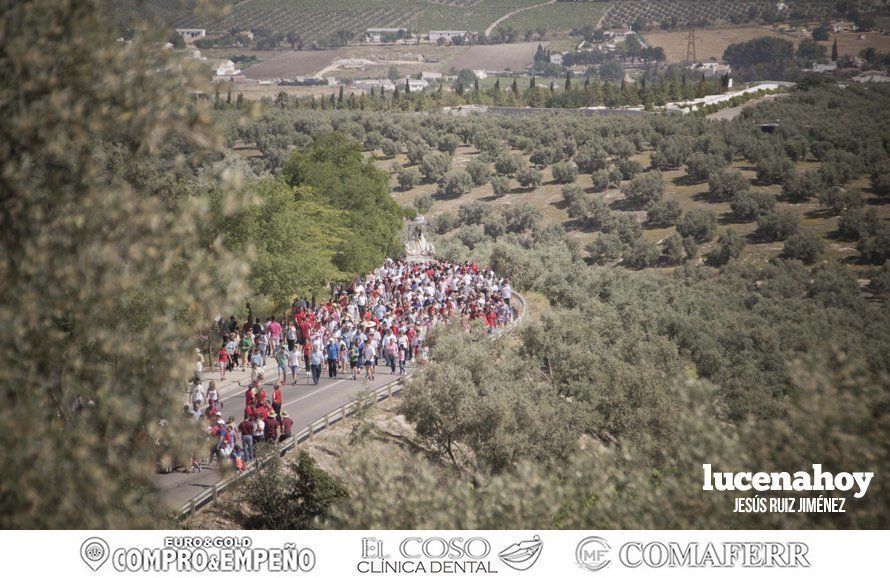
(522, 555)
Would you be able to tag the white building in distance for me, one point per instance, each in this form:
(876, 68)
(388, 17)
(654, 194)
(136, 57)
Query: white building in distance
(191, 34)
(447, 35)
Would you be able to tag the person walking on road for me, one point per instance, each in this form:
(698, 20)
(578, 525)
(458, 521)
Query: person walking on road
(223, 359)
(281, 358)
(276, 400)
(316, 360)
(333, 351)
(245, 428)
(293, 358)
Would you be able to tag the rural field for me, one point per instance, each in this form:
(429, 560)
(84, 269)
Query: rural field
(558, 17)
(852, 43)
(496, 56)
(317, 19)
(408, 59)
(709, 42)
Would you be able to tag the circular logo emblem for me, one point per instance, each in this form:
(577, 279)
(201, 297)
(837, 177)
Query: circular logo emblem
(592, 553)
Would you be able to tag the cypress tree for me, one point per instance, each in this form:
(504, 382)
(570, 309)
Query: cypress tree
(515, 87)
(834, 50)
(531, 83)
(476, 87)
(340, 96)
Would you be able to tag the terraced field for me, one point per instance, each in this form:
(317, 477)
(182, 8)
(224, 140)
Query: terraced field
(317, 19)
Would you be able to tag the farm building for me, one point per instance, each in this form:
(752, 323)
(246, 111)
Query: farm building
(414, 84)
(378, 35)
(556, 58)
(429, 75)
(447, 35)
(375, 84)
(711, 69)
(191, 34)
(224, 69)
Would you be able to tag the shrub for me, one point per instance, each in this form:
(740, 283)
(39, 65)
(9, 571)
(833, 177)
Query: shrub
(674, 250)
(294, 498)
(478, 171)
(390, 148)
(664, 213)
(455, 183)
(529, 178)
(565, 172)
(423, 203)
(500, 186)
(448, 143)
(777, 225)
(629, 168)
(408, 178)
(839, 200)
(747, 206)
(521, 218)
(875, 249)
(857, 224)
(434, 166)
(589, 211)
(774, 168)
(544, 156)
(473, 213)
(726, 185)
(729, 246)
(591, 158)
(641, 254)
(803, 246)
(508, 165)
(606, 247)
(444, 223)
(601, 180)
(416, 152)
(699, 166)
(625, 226)
(799, 187)
(471, 235)
(700, 224)
(571, 193)
(645, 189)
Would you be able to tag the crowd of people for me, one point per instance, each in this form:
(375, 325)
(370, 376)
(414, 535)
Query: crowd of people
(380, 319)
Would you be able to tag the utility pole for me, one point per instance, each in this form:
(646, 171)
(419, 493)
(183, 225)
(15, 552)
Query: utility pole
(690, 49)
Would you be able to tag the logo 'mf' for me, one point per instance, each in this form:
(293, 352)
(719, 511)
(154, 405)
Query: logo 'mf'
(592, 553)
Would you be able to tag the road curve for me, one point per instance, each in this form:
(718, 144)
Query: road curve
(509, 14)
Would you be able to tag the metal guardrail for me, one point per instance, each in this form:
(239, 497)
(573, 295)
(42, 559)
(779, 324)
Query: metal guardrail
(379, 394)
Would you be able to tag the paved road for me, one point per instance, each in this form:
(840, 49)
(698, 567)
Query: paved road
(304, 403)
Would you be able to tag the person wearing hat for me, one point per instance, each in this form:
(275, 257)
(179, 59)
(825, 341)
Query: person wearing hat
(271, 428)
(287, 425)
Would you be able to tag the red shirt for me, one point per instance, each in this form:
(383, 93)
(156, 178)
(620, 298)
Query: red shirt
(276, 396)
(271, 428)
